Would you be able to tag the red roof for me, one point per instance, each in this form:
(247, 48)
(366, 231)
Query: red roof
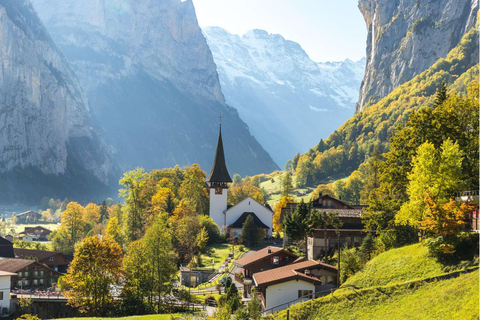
(258, 255)
(290, 272)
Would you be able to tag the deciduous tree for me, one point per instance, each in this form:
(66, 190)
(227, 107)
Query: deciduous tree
(96, 266)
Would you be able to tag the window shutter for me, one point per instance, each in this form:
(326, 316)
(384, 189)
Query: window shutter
(299, 293)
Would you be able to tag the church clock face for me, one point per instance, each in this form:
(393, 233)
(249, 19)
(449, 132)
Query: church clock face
(218, 190)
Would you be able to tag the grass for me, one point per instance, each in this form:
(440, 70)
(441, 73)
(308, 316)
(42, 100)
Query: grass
(396, 266)
(146, 317)
(218, 252)
(448, 299)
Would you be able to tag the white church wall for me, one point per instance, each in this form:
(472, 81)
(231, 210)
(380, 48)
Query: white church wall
(218, 205)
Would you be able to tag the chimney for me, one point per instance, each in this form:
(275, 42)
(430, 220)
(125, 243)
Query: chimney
(307, 272)
(269, 250)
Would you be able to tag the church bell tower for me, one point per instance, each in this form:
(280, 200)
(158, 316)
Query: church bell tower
(218, 180)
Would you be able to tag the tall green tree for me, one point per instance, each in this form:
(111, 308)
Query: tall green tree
(439, 173)
(132, 182)
(149, 265)
(192, 190)
(287, 185)
(250, 231)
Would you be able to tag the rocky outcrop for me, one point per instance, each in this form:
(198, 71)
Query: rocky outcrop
(151, 82)
(47, 140)
(288, 101)
(406, 37)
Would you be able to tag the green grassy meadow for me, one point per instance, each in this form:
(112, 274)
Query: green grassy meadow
(390, 286)
(146, 317)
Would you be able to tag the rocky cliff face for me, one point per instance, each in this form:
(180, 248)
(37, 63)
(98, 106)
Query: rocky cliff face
(151, 82)
(406, 37)
(288, 101)
(46, 131)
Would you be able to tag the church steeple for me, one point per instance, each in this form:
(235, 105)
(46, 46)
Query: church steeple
(219, 176)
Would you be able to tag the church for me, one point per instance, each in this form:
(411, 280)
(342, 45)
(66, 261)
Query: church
(231, 218)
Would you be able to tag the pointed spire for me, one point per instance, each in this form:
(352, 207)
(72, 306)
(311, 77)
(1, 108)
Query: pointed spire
(219, 174)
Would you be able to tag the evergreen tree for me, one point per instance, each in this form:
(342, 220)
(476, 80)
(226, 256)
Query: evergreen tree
(441, 94)
(250, 232)
(287, 185)
(368, 246)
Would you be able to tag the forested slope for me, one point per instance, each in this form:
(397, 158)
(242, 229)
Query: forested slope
(353, 143)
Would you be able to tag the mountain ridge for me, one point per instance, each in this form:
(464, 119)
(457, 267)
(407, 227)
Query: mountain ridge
(288, 100)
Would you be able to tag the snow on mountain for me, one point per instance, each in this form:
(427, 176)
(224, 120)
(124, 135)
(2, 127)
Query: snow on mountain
(289, 101)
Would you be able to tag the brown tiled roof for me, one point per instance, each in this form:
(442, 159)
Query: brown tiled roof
(14, 265)
(290, 272)
(258, 255)
(39, 254)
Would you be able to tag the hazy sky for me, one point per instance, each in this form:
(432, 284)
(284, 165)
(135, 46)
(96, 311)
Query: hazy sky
(327, 30)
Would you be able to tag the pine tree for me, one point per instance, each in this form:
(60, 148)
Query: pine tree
(440, 95)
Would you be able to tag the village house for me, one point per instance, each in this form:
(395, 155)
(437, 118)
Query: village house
(54, 260)
(37, 233)
(281, 287)
(29, 274)
(262, 260)
(28, 217)
(351, 232)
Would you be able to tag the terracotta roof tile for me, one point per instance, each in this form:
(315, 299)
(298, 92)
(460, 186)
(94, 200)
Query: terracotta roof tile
(292, 271)
(258, 255)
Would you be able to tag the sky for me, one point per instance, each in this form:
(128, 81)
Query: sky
(327, 30)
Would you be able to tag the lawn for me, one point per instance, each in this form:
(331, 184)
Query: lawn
(218, 252)
(448, 299)
(396, 266)
(146, 317)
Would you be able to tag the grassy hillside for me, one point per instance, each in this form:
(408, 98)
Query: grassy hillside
(448, 299)
(397, 266)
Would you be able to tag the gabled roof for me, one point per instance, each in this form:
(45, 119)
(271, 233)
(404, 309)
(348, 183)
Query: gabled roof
(290, 272)
(39, 254)
(15, 265)
(249, 199)
(241, 220)
(31, 229)
(259, 255)
(219, 172)
(29, 212)
(5, 241)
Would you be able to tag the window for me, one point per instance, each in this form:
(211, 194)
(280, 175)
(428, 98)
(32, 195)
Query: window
(19, 283)
(25, 274)
(1, 295)
(35, 282)
(35, 273)
(41, 281)
(51, 259)
(276, 260)
(305, 294)
(218, 190)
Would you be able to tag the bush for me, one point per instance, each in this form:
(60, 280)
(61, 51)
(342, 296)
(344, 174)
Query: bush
(210, 300)
(28, 317)
(351, 263)
(454, 249)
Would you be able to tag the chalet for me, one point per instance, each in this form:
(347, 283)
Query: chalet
(29, 274)
(232, 218)
(351, 231)
(261, 260)
(54, 260)
(297, 282)
(37, 233)
(28, 217)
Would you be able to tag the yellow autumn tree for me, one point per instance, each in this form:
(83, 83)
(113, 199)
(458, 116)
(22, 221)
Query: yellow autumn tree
(277, 223)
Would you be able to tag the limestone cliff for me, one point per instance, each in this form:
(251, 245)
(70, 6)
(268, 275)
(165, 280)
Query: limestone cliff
(406, 37)
(46, 136)
(151, 82)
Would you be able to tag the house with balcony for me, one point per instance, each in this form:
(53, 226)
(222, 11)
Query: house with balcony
(29, 274)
